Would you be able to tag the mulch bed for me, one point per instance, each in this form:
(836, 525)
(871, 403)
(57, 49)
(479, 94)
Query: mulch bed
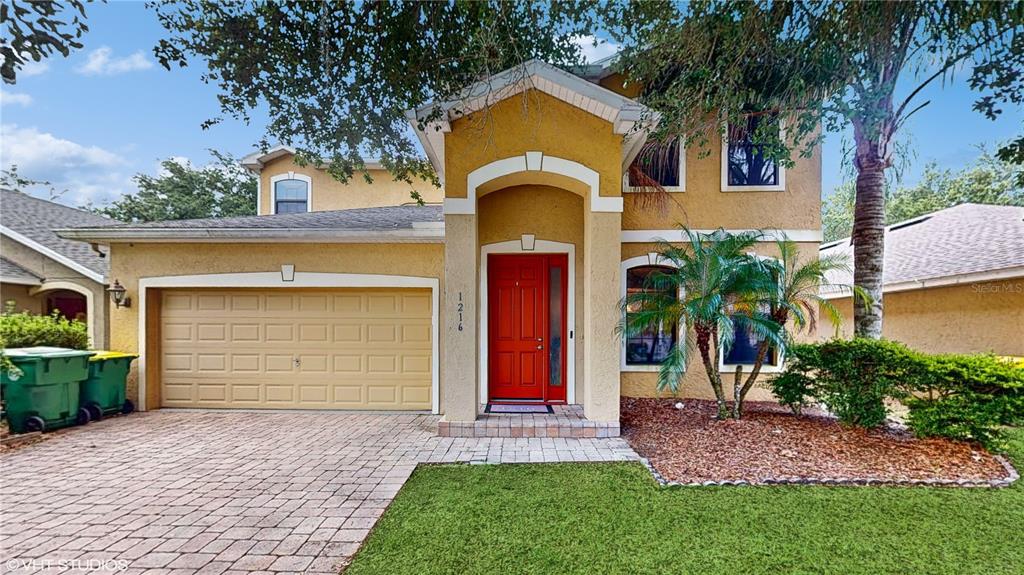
(689, 446)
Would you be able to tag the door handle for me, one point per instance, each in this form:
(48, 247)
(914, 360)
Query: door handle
(540, 347)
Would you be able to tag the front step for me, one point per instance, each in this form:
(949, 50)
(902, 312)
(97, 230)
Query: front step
(567, 421)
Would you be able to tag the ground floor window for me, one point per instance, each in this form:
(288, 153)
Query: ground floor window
(744, 347)
(653, 345)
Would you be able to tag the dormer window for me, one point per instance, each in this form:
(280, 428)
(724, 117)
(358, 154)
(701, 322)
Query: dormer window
(291, 196)
(745, 165)
(662, 165)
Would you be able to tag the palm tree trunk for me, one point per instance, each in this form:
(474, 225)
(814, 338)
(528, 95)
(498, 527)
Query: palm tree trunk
(741, 392)
(869, 230)
(705, 337)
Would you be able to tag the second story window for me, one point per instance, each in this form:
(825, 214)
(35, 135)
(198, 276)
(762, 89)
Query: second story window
(291, 196)
(663, 165)
(746, 165)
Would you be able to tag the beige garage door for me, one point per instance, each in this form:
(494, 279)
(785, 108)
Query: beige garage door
(333, 349)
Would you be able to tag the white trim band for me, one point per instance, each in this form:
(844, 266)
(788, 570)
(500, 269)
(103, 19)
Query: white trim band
(653, 236)
(53, 255)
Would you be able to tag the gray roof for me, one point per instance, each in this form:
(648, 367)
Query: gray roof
(378, 223)
(361, 218)
(965, 239)
(11, 272)
(36, 219)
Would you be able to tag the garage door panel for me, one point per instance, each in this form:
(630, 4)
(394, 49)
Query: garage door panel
(341, 349)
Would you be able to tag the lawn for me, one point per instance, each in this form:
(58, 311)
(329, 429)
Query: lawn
(613, 518)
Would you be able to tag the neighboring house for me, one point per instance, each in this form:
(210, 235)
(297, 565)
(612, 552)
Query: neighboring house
(41, 272)
(509, 292)
(954, 281)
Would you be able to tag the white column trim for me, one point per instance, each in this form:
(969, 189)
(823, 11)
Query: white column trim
(540, 247)
(301, 280)
(532, 161)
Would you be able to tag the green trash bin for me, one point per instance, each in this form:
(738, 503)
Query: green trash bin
(45, 394)
(103, 393)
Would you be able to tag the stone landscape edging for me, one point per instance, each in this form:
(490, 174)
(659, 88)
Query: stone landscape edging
(1011, 476)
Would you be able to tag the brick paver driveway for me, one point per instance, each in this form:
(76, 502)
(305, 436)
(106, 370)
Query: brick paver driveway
(229, 492)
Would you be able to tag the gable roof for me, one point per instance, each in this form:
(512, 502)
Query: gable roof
(12, 273)
(255, 161)
(625, 114)
(361, 225)
(969, 242)
(32, 222)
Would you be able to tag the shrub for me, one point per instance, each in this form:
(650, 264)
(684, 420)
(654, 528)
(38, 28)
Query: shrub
(966, 397)
(852, 378)
(28, 330)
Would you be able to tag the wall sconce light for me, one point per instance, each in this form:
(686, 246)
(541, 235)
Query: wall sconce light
(117, 295)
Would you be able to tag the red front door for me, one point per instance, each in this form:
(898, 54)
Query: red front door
(523, 364)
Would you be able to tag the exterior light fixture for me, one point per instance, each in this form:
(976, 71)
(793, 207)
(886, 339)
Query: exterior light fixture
(117, 295)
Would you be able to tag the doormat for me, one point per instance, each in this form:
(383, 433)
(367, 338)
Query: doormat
(517, 408)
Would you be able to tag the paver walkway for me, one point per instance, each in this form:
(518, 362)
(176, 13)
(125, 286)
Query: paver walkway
(198, 492)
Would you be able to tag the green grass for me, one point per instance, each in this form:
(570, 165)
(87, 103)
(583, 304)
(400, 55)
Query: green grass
(613, 518)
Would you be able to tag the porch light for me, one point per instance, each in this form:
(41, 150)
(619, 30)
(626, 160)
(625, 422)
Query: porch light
(117, 295)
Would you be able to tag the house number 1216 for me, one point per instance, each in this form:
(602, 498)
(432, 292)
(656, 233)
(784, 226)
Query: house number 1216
(462, 307)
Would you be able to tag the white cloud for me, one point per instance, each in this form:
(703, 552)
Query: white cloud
(180, 160)
(14, 99)
(101, 62)
(34, 69)
(89, 173)
(593, 53)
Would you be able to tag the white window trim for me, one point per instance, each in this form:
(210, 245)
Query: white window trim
(300, 280)
(780, 187)
(651, 259)
(291, 176)
(675, 189)
(539, 247)
(780, 360)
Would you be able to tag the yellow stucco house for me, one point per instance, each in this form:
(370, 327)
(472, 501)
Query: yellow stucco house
(954, 281)
(502, 289)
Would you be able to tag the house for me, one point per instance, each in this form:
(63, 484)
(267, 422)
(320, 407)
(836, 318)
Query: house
(953, 281)
(41, 272)
(505, 290)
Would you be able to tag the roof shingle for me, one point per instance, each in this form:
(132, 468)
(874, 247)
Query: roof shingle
(36, 219)
(964, 239)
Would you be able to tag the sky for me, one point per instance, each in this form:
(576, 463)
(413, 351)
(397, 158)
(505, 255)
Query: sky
(90, 122)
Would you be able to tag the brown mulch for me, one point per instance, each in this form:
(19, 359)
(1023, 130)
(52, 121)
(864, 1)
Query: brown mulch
(688, 445)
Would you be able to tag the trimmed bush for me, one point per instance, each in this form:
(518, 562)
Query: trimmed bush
(28, 330)
(962, 397)
(852, 378)
(966, 397)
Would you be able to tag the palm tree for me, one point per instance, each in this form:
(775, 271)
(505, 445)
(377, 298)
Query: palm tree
(795, 296)
(713, 275)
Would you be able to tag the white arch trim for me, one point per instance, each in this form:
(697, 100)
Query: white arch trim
(291, 176)
(90, 303)
(300, 280)
(651, 259)
(532, 162)
(539, 247)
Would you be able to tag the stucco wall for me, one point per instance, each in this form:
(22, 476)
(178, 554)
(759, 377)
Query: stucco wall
(969, 318)
(532, 121)
(549, 214)
(705, 206)
(130, 262)
(19, 296)
(58, 276)
(695, 381)
(330, 194)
